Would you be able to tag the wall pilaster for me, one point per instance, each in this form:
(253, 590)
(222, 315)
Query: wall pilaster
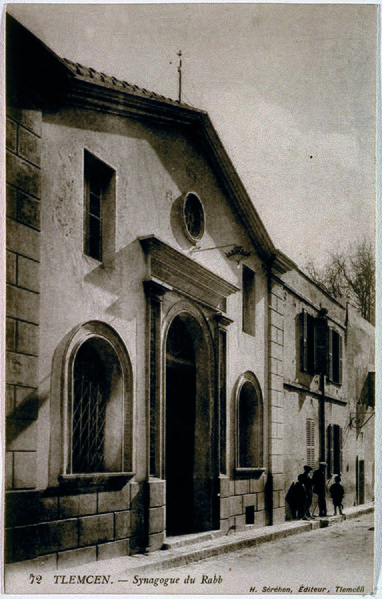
(23, 176)
(276, 400)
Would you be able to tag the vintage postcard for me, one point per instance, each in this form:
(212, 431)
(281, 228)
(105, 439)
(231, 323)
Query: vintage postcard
(190, 315)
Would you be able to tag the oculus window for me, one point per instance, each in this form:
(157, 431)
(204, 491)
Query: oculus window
(193, 217)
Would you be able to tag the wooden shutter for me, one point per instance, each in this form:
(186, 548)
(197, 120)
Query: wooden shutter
(304, 341)
(330, 355)
(330, 450)
(310, 442)
(340, 359)
(320, 345)
(340, 449)
(336, 449)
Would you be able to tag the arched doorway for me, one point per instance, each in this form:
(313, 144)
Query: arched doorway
(189, 438)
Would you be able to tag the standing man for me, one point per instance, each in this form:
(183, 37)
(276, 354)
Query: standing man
(319, 487)
(308, 484)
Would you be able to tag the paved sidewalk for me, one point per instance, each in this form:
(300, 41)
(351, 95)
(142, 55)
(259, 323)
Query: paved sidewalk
(202, 549)
(116, 574)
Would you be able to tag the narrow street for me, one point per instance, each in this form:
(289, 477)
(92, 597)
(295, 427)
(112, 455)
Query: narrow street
(327, 559)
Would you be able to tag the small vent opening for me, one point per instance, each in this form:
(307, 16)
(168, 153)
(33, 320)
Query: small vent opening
(250, 514)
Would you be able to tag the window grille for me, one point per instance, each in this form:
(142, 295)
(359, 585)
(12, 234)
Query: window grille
(310, 459)
(89, 412)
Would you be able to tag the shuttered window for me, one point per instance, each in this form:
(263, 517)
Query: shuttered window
(334, 449)
(335, 357)
(310, 442)
(306, 342)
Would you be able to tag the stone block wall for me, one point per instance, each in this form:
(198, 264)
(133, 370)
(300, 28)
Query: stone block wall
(235, 497)
(23, 149)
(276, 498)
(71, 530)
(156, 490)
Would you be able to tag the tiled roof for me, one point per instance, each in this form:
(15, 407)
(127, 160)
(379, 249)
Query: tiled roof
(109, 81)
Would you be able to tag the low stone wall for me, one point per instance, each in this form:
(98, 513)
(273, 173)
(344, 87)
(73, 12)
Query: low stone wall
(235, 497)
(73, 529)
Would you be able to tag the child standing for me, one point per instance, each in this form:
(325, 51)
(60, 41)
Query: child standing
(337, 493)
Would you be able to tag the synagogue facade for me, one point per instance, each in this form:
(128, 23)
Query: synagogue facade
(160, 349)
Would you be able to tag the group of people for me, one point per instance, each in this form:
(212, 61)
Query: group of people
(300, 493)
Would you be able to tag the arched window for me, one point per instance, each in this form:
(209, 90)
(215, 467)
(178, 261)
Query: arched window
(97, 409)
(250, 439)
(92, 408)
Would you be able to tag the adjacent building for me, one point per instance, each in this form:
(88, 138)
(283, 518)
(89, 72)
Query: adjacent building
(160, 350)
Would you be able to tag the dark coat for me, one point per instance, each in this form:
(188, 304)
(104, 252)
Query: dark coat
(319, 482)
(337, 493)
(308, 484)
(299, 493)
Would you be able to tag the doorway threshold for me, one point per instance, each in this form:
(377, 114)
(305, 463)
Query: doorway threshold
(191, 539)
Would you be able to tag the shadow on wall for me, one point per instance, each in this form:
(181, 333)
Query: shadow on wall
(24, 414)
(122, 277)
(302, 397)
(268, 499)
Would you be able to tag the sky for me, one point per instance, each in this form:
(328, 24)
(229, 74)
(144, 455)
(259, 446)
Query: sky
(290, 88)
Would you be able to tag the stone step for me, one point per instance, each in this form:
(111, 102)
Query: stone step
(191, 539)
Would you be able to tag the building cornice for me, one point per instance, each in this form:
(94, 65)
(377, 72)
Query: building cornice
(282, 264)
(315, 394)
(93, 95)
(181, 273)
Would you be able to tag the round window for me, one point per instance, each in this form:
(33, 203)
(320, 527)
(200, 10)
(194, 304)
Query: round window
(193, 217)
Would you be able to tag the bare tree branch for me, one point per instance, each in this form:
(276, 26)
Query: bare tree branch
(349, 275)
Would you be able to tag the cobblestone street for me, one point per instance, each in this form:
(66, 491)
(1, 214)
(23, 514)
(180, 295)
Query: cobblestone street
(326, 559)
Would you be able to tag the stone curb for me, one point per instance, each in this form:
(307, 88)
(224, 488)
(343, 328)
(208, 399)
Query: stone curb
(204, 549)
(186, 554)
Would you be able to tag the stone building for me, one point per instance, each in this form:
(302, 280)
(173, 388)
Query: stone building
(347, 424)
(153, 383)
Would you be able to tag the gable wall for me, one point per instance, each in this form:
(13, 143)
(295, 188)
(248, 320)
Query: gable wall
(154, 167)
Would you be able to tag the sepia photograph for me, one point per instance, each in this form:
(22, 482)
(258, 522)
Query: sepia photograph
(190, 298)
